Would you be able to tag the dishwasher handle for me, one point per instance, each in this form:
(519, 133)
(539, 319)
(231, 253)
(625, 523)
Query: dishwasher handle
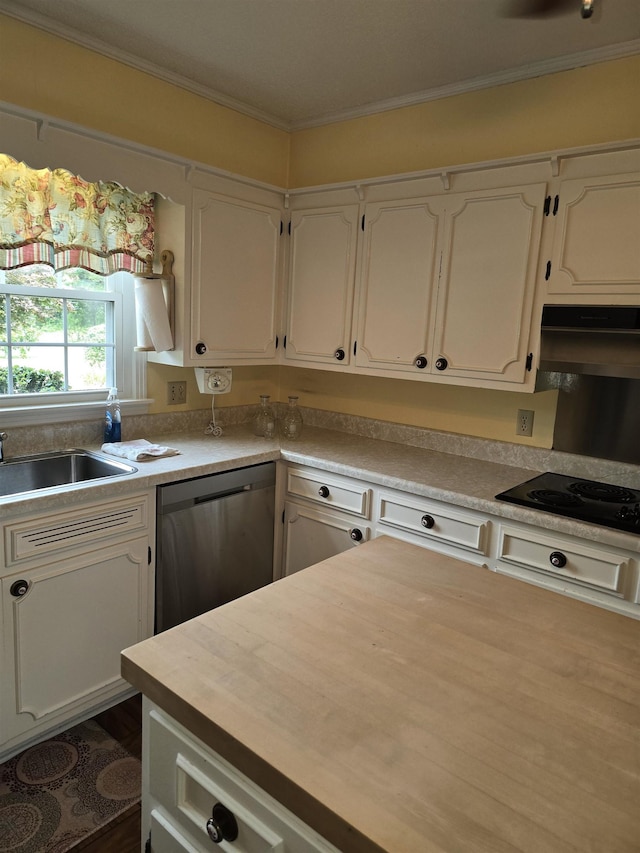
(215, 496)
(173, 497)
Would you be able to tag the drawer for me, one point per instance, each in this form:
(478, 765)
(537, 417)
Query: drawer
(40, 536)
(434, 522)
(562, 558)
(330, 491)
(187, 779)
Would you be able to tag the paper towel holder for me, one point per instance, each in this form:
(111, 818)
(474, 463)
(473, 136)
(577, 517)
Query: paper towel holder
(167, 281)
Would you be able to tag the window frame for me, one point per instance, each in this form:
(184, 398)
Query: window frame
(129, 365)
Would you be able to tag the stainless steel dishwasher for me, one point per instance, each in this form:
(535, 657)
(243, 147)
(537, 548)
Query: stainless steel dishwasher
(214, 541)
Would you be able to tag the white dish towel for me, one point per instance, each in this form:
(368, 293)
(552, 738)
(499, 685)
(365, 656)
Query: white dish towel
(138, 450)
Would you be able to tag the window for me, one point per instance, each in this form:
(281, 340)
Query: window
(66, 337)
(68, 249)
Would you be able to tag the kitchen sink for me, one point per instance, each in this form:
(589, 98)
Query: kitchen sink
(59, 468)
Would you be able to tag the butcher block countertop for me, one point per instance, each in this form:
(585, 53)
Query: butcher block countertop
(399, 700)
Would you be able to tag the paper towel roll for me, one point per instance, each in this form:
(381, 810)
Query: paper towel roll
(152, 321)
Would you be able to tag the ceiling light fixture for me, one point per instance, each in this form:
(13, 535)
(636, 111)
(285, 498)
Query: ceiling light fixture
(587, 8)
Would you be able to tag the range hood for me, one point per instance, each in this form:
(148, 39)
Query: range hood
(593, 340)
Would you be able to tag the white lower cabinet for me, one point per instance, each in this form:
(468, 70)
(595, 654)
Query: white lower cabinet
(323, 511)
(189, 792)
(312, 536)
(432, 524)
(324, 515)
(607, 576)
(76, 590)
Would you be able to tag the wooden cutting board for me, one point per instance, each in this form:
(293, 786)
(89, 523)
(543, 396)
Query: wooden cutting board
(400, 700)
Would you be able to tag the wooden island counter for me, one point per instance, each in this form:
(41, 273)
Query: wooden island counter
(395, 699)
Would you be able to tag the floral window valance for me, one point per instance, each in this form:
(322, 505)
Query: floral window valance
(53, 217)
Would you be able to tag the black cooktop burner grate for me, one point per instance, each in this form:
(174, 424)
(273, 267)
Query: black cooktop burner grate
(612, 506)
(552, 497)
(602, 492)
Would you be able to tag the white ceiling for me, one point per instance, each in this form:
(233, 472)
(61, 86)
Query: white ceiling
(299, 63)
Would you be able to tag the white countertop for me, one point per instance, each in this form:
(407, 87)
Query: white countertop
(461, 480)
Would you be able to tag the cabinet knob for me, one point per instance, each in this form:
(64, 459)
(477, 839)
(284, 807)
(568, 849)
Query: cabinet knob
(356, 534)
(441, 364)
(339, 354)
(19, 588)
(557, 559)
(324, 492)
(420, 362)
(427, 521)
(201, 348)
(222, 825)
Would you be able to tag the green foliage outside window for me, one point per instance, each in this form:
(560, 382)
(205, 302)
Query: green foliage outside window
(27, 380)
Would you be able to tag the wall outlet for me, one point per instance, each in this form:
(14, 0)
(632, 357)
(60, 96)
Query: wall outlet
(176, 393)
(524, 423)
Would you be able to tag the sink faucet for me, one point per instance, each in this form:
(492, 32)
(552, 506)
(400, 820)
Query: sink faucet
(3, 437)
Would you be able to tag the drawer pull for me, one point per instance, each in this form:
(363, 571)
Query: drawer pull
(356, 534)
(558, 559)
(428, 521)
(420, 362)
(222, 825)
(323, 491)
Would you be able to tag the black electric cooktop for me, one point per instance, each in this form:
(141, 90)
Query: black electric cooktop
(585, 500)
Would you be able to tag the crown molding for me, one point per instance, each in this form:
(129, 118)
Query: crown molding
(525, 72)
(41, 22)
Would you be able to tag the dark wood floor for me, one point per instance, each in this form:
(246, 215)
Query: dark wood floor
(124, 723)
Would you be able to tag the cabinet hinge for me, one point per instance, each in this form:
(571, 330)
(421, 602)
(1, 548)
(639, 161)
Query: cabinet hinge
(547, 205)
(362, 223)
(556, 204)
(529, 362)
(547, 274)
(149, 555)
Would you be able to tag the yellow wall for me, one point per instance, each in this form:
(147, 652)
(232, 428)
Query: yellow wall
(467, 411)
(596, 104)
(587, 106)
(43, 73)
(246, 386)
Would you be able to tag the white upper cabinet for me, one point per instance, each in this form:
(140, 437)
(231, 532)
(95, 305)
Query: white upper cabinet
(322, 261)
(235, 280)
(398, 284)
(447, 285)
(490, 261)
(596, 249)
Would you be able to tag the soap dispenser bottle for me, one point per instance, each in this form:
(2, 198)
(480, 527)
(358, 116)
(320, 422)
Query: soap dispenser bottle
(112, 418)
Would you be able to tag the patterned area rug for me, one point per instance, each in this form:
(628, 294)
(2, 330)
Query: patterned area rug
(57, 794)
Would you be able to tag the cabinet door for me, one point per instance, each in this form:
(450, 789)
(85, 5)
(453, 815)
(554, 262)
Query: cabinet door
(312, 536)
(235, 279)
(596, 247)
(322, 259)
(62, 638)
(398, 284)
(489, 268)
